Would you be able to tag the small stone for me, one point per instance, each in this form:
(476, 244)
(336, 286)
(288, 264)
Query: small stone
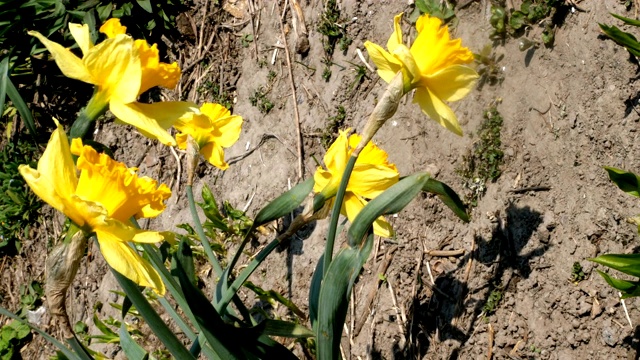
(575, 323)
(609, 336)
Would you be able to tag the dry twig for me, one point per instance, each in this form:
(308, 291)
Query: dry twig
(295, 101)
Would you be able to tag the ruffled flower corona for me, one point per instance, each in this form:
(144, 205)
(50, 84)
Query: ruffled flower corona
(101, 200)
(372, 174)
(121, 69)
(212, 128)
(434, 66)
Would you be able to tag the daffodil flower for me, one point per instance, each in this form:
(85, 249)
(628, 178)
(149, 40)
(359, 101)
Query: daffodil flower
(213, 128)
(372, 174)
(434, 66)
(121, 69)
(101, 200)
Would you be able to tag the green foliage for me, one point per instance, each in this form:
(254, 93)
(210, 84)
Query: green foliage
(246, 40)
(577, 273)
(487, 67)
(625, 39)
(482, 163)
(260, 100)
(30, 297)
(626, 263)
(492, 302)
(12, 337)
(333, 28)
(19, 206)
(213, 93)
(334, 123)
(531, 12)
(440, 9)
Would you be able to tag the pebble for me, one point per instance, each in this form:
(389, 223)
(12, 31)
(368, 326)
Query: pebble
(575, 323)
(609, 336)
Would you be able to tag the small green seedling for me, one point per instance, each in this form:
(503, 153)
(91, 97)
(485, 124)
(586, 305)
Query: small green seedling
(531, 13)
(334, 123)
(260, 100)
(246, 40)
(482, 163)
(577, 274)
(13, 336)
(492, 302)
(440, 9)
(487, 67)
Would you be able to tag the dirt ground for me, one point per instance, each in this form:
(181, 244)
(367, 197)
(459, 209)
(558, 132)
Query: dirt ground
(568, 111)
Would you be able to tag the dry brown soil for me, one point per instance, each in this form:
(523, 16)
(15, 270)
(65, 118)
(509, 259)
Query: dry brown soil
(522, 243)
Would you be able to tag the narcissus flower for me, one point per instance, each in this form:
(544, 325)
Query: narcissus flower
(213, 128)
(121, 69)
(372, 174)
(434, 66)
(101, 200)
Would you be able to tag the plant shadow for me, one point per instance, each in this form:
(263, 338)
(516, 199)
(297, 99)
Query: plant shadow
(439, 316)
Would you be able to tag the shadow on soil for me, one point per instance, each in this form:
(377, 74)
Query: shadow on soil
(438, 317)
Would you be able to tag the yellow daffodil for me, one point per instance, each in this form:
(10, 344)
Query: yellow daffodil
(213, 128)
(434, 66)
(101, 200)
(372, 174)
(121, 69)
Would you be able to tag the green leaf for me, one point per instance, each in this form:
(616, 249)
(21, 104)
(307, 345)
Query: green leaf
(22, 107)
(284, 203)
(65, 350)
(628, 288)
(314, 291)
(272, 296)
(626, 263)
(223, 339)
(448, 197)
(162, 331)
(622, 38)
(517, 20)
(334, 298)
(285, 329)
(131, 349)
(4, 77)
(626, 181)
(627, 21)
(146, 5)
(391, 201)
(211, 211)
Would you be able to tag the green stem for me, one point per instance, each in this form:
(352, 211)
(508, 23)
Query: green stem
(203, 238)
(335, 212)
(230, 292)
(162, 331)
(90, 113)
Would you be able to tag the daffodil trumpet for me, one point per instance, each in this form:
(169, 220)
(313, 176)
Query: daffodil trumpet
(101, 200)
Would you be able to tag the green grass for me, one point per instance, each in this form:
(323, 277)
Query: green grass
(19, 206)
(482, 163)
(334, 123)
(260, 100)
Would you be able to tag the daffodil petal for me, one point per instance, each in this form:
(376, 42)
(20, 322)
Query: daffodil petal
(55, 179)
(215, 155)
(125, 260)
(382, 228)
(112, 27)
(82, 36)
(433, 107)
(70, 65)
(321, 178)
(410, 70)
(147, 118)
(227, 130)
(452, 83)
(388, 66)
(352, 206)
(337, 155)
(370, 180)
(396, 36)
(115, 68)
